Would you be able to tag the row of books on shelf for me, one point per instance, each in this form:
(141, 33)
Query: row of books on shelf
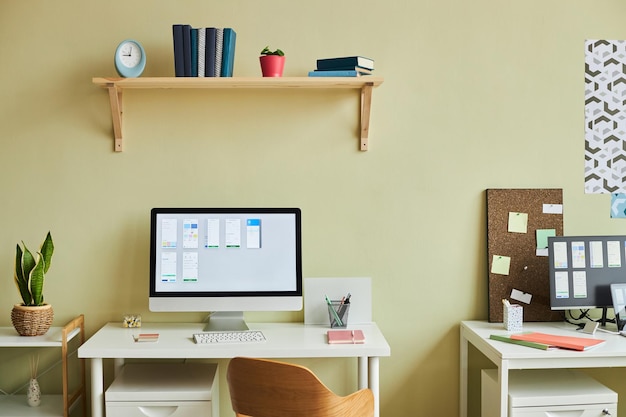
(346, 66)
(203, 52)
(210, 52)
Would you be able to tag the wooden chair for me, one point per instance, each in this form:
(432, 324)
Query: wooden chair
(265, 388)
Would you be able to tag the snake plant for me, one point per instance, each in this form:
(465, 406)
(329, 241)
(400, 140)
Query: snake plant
(30, 271)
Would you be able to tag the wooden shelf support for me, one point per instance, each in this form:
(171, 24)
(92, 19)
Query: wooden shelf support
(115, 97)
(117, 85)
(366, 104)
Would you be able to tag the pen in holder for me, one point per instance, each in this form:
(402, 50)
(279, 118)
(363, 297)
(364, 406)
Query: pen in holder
(338, 313)
(513, 316)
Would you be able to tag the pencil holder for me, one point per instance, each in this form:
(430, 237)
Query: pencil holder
(513, 317)
(338, 313)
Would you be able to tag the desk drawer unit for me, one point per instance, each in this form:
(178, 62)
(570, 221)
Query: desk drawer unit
(164, 390)
(548, 393)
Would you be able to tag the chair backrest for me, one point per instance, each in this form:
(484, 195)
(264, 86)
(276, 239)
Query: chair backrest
(265, 388)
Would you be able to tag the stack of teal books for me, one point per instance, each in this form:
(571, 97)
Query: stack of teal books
(203, 52)
(346, 66)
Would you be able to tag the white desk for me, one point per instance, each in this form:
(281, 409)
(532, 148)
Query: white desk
(508, 356)
(284, 340)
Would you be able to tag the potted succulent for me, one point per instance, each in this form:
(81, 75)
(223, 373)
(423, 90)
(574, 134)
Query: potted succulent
(33, 317)
(272, 62)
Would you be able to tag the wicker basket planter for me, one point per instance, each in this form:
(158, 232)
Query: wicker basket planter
(32, 320)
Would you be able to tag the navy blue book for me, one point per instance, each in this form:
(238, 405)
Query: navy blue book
(228, 52)
(194, 52)
(209, 66)
(187, 49)
(362, 70)
(346, 61)
(179, 62)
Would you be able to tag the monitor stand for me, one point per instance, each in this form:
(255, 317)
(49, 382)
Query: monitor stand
(225, 320)
(603, 319)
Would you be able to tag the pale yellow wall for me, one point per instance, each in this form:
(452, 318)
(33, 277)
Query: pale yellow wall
(477, 94)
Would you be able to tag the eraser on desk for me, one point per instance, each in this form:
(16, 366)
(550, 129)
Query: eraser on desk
(146, 337)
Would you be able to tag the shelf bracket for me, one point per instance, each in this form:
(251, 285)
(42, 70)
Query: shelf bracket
(366, 104)
(115, 97)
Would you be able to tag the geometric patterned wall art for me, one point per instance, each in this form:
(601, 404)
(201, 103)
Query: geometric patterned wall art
(605, 116)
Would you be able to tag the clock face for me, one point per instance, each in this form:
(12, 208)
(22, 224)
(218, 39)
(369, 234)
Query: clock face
(130, 58)
(130, 54)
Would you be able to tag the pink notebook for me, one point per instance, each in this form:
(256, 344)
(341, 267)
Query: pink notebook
(345, 336)
(565, 342)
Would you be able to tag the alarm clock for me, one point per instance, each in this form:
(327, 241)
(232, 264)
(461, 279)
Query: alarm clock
(130, 58)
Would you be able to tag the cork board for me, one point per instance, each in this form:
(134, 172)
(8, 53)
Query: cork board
(514, 265)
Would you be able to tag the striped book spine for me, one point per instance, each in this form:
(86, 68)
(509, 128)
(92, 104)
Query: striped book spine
(201, 51)
(219, 45)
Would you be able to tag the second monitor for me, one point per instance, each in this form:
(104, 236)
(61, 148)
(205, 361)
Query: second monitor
(582, 269)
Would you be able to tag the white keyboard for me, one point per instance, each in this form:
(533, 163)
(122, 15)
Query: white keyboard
(235, 336)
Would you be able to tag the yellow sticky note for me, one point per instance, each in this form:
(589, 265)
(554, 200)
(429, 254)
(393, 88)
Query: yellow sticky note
(500, 264)
(518, 222)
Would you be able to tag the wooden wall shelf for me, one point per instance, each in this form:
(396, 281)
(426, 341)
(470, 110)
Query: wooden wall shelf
(116, 86)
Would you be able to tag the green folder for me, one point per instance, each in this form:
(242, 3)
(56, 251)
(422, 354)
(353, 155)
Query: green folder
(507, 339)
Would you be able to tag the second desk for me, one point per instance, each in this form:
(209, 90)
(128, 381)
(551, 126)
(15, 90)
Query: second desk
(508, 356)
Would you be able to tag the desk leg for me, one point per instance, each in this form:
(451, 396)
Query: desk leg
(503, 377)
(374, 378)
(463, 377)
(97, 388)
(118, 365)
(363, 377)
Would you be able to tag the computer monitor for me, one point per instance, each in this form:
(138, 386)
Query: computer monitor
(582, 269)
(225, 261)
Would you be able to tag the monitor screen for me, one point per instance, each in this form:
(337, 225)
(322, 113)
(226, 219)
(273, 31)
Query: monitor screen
(582, 269)
(226, 260)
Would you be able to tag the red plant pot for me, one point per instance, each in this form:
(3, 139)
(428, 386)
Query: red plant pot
(272, 65)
